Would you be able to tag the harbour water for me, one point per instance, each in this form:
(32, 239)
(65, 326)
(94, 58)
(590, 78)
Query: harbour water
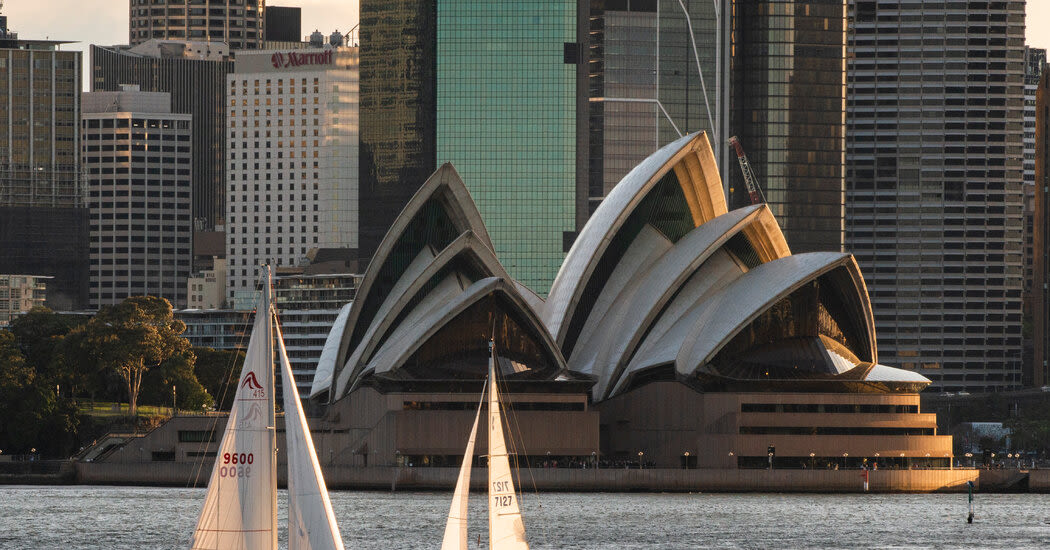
(87, 517)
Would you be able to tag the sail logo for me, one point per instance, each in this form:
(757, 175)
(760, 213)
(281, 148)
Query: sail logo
(254, 414)
(255, 389)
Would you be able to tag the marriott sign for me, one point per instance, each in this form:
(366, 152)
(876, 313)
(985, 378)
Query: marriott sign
(283, 60)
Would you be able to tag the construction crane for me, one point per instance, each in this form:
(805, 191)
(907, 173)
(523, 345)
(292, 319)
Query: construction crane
(749, 175)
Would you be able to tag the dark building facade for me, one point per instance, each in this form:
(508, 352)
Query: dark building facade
(283, 24)
(789, 91)
(50, 241)
(236, 22)
(43, 223)
(197, 86)
(398, 106)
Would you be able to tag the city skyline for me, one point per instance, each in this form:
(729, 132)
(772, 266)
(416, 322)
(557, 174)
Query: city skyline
(104, 22)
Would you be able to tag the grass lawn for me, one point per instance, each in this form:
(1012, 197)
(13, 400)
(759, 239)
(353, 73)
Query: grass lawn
(111, 409)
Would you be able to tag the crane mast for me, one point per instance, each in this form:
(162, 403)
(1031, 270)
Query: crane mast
(749, 175)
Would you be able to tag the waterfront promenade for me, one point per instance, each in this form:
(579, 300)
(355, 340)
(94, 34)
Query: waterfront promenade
(610, 480)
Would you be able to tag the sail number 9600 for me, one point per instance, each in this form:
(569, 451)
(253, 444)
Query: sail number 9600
(239, 465)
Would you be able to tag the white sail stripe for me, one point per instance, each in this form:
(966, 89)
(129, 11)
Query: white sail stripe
(506, 528)
(311, 520)
(456, 526)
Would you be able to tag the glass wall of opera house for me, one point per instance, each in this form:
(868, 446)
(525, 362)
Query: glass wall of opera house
(676, 333)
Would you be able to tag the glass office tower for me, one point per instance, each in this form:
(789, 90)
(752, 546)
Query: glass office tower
(646, 87)
(506, 118)
(789, 93)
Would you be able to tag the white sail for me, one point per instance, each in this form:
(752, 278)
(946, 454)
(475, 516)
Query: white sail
(240, 509)
(506, 529)
(311, 522)
(456, 526)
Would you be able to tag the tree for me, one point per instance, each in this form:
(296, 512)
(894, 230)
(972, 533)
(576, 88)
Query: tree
(133, 336)
(176, 371)
(33, 416)
(218, 371)
(39, 332)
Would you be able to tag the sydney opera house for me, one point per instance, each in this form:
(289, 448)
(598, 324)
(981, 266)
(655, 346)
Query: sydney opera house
(677, 334)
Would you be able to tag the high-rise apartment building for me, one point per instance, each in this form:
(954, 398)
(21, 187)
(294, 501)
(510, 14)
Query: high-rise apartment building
(658, 69)
(239, 23)
(1034, 60)
(292, 138)
(935, 194)
(43, 224)
(788, 94)
(1039, 295)
(19, 294)
(137, 171)
(194, 73)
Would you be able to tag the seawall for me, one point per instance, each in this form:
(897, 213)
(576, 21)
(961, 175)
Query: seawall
(607, 480)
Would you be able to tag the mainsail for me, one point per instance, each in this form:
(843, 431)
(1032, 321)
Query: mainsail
(311, 522)
(506, 529)
(240, 509)
(456, 526)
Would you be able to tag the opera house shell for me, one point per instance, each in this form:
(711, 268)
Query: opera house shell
(677, 333)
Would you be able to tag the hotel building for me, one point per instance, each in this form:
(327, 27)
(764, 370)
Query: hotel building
(292, 144)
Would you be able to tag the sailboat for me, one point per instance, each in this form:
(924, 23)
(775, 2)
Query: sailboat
(240, 509)
(506, 529)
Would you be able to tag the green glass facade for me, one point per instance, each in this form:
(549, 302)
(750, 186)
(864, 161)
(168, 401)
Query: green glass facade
(506, 118)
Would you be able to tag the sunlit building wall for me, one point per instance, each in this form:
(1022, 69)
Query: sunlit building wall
(292, 172)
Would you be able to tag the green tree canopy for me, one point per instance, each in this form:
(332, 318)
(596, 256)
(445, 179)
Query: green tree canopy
(39, 333)
(218, 371)
(133, 336)
(31, 415)
(176, 371)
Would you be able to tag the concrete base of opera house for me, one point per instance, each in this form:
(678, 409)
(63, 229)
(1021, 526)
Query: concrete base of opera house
(607, 480)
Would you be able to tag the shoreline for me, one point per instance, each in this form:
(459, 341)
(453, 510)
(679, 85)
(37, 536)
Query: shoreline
(393, 478)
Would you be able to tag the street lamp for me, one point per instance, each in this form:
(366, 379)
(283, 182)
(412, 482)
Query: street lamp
(640, 453)
(970, 456)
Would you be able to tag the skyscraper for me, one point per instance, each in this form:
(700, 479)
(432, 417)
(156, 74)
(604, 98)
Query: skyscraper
(506, 118)
(398, 110)
(935, 189)
(498, 90)
(1038, 297)
(658, 69)
(43, 223)
(137, 171)
(239, 23)
(1034, 59)
(789, 74)
(292, 170)
(194, 73)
